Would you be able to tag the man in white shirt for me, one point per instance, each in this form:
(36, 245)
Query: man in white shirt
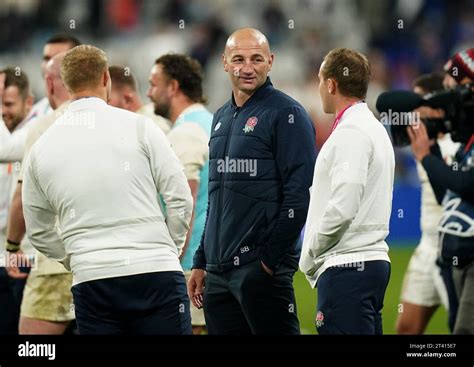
(101, 170)
(12, 145)
(344, 252)
(47, 298)
(16, 101)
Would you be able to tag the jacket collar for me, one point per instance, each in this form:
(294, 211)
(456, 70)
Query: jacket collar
(259, 93)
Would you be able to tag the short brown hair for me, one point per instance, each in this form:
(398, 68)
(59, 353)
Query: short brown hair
(187, 72)
(83, 67)
(350, 69)
(122, 76)
(17, 78)
(429, 82)
(64, 38)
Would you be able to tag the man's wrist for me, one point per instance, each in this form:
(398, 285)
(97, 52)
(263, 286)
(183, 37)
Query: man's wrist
(12, 246)
(423, 155)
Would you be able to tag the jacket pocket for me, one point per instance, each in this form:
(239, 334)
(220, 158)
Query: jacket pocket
(271, 216)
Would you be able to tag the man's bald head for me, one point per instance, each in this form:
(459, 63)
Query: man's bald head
(247, 38)
(53, 67)
(55, 88)
(248, 60)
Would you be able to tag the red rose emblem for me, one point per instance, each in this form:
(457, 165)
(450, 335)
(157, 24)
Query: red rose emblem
(252, 121)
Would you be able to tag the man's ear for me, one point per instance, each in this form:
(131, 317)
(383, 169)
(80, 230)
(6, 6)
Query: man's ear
(270, 61)
(49, 85)
(128, 98)
(224, 63)
(105, 78)
(29, 102)
(174, 86)
(332, 86)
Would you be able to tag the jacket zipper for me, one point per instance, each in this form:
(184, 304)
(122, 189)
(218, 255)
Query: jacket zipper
(221, 188)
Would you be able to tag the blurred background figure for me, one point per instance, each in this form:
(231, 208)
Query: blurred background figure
(12, 147)
(46, 307)
(16, 99)
(423, 288)
(177, 94)
(125, 95)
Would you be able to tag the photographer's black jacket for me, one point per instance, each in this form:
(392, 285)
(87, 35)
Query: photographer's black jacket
(260, 214)
(459, 179)
(454, 186)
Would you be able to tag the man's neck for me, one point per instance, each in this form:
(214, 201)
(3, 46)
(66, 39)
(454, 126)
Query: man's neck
(58, 103)
(89, 93)
(343, 102)
(136, 105)
(241, 97)
(178, 107)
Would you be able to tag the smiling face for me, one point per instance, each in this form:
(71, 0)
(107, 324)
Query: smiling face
(247, 60)
(15, 107)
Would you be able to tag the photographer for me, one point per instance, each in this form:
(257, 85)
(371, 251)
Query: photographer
(423, 289)
(454, 186)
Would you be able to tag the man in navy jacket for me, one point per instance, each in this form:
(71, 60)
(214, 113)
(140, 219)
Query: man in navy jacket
(262, 154)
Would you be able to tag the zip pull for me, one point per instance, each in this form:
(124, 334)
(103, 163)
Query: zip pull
(236, 112)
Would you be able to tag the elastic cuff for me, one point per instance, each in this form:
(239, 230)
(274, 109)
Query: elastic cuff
(199, 265)
(12, 246)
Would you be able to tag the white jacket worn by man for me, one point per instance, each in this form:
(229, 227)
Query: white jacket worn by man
(351, 196)
(101, 170)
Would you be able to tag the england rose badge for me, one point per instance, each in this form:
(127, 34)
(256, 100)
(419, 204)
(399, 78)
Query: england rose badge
(250, 124)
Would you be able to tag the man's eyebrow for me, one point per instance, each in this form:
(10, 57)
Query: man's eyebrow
(253, 55)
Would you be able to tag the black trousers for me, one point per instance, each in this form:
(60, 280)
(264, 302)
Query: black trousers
(247, 300)
(11, 294)
(150, 303)
(463, 278)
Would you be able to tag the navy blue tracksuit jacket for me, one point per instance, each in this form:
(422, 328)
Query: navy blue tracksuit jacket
(261, 161)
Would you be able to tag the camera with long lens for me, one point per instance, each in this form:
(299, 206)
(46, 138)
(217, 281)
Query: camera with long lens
(396, 110)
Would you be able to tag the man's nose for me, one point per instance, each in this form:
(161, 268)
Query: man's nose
(247, 67)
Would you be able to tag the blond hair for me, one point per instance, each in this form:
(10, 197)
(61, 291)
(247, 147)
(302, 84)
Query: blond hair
(83, 67)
